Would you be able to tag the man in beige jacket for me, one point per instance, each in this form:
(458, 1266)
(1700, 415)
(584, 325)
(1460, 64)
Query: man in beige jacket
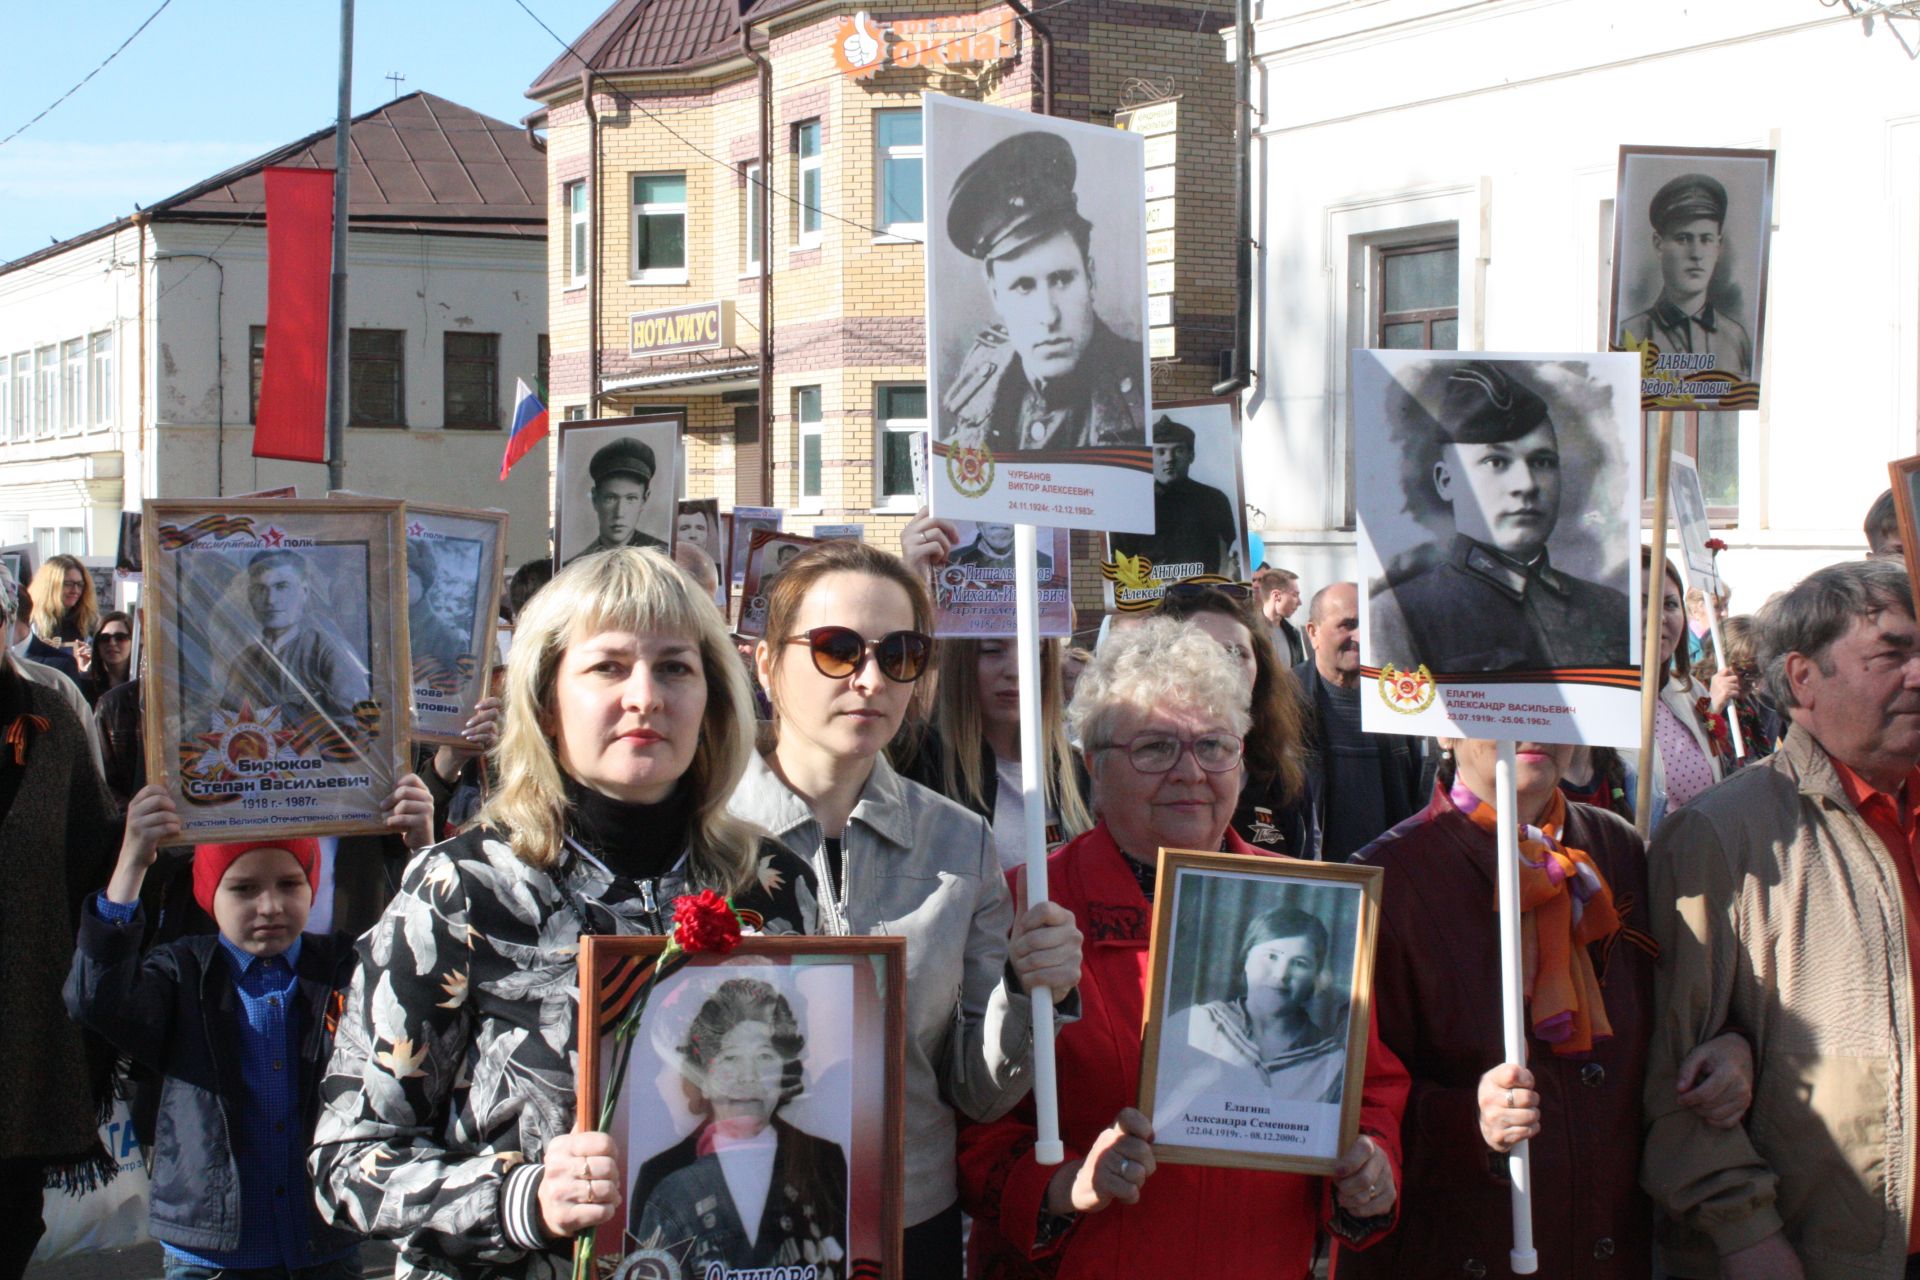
(1784, 901)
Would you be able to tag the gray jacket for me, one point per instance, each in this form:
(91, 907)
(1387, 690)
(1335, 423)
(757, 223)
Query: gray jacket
(921, 867)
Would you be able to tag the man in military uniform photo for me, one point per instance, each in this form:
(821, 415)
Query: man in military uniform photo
(293, 664)
(992, 548)
(1049, 374)
(622, 482)
(1496, 603)
(1194, 531)
(427, 633)
(1688, 214)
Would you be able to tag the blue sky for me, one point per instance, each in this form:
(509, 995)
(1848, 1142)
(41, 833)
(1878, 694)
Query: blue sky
(214, 82)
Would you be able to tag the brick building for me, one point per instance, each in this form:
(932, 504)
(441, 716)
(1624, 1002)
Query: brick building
(656, 208)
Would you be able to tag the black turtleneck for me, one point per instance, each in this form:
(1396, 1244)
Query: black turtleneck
(638, 841)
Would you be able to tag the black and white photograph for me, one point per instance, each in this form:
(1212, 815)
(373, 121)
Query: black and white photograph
(768, 553)
(973, 593)
(1691, 233)
(605, 494)
(1497, 499)
(1688, 513)
(279, 699)
(743, 523)
(756, 1122)
(1257, 1009)
(455, 566)
(699, 531)
(22, 559)
(1036, 287)
(1199, 508)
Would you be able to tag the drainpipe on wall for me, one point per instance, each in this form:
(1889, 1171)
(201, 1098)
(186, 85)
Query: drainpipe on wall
(593, 260)
(1043, 38)
(765, 197)
(1238, 377)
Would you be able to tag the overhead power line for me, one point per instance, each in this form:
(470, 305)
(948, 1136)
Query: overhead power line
(90, 75)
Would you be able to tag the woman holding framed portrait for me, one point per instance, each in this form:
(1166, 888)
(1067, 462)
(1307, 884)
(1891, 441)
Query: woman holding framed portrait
(847, 637)
(448, 1116)
(1163, 710)
(1583, 886)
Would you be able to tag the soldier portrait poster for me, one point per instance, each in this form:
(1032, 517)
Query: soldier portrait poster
(1036, 316)
(973, 594)
(1244, 949)
(757, 1126)
(1498, 505)
(768, 552)
(1688, 515)
(615, 485)
(698, 522)
(1199, 508)
(743, 523)
(456, 559)
(277, 701)
(1690, 235)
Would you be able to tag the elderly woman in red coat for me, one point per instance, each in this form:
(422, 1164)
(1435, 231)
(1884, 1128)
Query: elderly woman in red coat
(1590, 990)
(1163, 688)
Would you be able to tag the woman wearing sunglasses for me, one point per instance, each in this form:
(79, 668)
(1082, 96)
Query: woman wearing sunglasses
(846, 640)
(1275, 811)
(112, 655)
(1162, 711)
(967, 746)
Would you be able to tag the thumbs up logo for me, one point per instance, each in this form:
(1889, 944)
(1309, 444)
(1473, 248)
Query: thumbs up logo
(859, 45)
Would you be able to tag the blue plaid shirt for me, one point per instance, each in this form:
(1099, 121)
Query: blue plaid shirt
(269, 1144)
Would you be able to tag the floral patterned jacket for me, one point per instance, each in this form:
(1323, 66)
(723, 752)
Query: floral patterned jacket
(455, 1058)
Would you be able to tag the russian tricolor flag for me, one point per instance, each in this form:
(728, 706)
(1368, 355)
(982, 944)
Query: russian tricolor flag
(529, 426)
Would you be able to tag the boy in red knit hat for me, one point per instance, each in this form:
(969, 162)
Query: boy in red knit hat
(239, 1025)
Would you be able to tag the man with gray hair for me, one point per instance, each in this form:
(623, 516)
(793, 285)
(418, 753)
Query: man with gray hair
(1787, 909)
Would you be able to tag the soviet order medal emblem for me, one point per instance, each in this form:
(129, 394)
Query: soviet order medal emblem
(1408, 692)
(970, 469)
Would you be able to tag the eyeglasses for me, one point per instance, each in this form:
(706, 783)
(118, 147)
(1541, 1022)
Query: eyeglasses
(838, 652)
(1191, 589)
(1159, 752)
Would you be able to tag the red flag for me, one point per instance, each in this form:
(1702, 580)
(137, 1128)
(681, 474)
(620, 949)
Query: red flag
(293, 386)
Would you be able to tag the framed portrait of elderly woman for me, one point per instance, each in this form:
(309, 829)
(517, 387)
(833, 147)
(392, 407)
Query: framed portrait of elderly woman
(1258, 999)
(456, 561)
(759, 1117)
(277, 701)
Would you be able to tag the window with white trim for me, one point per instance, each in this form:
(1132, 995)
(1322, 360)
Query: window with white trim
(73, 385)
(659, 228)
(100, 379)
(753, 234)
(902, 414)
(899, 158)
(577, 216)
(6, 400)
(20, 425)
(807, 182)
(46, 390)
(806, 417)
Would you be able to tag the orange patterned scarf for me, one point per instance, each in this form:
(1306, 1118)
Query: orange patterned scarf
(1566, 905)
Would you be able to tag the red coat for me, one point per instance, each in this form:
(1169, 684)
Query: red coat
(1225, 1224)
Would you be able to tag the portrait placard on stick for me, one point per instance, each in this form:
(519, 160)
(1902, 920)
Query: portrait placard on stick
(1199, 508)
(1498, 499)
(1036, 299)
(1243, 948)
(973, 591)
(615, 485)
(759, 1122)
(768, 552)
(697, 522)
(278, 702)
(1690, 235)
(742, 524)
(456, 558)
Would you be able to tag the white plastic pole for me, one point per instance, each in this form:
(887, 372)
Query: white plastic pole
(1523, 1259)
(1047, 1148)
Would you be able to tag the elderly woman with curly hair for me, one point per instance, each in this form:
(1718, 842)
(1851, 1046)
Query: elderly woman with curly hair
(1163, 711)
(448, 1109)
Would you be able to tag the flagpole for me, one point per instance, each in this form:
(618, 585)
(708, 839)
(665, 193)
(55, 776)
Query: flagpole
(337, 312)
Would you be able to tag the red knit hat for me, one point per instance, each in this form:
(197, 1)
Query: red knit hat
(210, 863)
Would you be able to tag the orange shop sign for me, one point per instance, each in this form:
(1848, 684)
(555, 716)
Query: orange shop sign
(862, 46)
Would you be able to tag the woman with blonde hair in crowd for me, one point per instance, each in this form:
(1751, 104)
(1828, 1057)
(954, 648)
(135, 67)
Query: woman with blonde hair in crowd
(65, 613)
(846, 642)
(448, 1109)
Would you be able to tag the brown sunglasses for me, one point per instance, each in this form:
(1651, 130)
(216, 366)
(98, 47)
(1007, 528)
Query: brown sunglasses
(838, 652)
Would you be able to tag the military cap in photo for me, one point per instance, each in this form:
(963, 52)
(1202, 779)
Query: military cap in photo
(1687, 198)
(1018, 191)
(1168, 432)
(420, 565)
(626, 456)
(1483, 405)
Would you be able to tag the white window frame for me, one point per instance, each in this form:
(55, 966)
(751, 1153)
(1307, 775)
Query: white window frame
(100, 404)
(73, 386)
(657, 208)
(6, 398)
(882, 427)
(46, 391)
(753, 237)
(808, 430)
(21, 427)
(579, 243)
(896, 231)
(808, 168)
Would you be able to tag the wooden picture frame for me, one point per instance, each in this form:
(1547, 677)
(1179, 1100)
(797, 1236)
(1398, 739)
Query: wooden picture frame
(1210, 1101)
(846, 998)
(450, 669)
(577, 525)
(761, 572)
(1904, 474)
(276, 701)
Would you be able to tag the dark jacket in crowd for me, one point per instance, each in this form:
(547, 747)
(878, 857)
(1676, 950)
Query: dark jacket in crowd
(176, 1010)
(1401, 777)
(122, 741)
(52, 655)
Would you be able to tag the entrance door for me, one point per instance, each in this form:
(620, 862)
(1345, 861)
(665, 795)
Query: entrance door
(748, 489)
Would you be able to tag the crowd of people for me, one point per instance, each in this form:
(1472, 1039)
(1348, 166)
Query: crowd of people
(331, 1039)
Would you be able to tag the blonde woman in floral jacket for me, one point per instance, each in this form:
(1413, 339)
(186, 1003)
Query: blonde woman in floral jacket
(447, 1115)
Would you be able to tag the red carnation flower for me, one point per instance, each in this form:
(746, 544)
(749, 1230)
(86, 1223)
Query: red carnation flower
(1716, 544)
(705, 923)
